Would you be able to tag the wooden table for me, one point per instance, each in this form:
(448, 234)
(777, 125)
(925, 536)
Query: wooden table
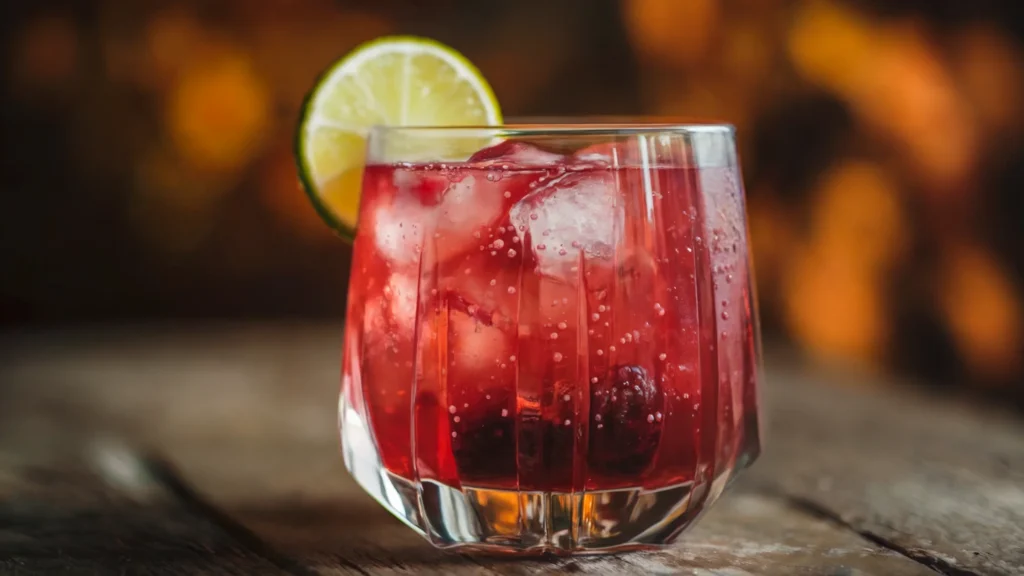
(188, 451)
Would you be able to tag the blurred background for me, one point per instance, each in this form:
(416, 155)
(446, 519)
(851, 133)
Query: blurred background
(148, 173)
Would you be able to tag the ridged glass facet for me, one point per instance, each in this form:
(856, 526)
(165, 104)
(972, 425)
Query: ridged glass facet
(551, 345)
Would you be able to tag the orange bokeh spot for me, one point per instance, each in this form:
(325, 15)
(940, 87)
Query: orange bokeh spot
(672, 31)
(896, 81)
(833, 308)
(857, 212)
(218, 111)
(991, 70)
(978, 300)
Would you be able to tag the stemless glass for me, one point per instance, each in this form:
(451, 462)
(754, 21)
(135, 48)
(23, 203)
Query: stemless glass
(551, 342)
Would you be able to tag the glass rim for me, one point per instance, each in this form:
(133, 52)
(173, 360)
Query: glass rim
(562, 128)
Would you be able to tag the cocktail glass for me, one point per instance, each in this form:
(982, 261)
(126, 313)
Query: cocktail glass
(551, 342)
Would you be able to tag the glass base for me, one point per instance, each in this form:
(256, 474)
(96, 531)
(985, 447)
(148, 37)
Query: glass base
(520, 522)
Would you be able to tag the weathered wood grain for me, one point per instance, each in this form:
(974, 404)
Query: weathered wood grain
(74, 500)
(856, 480)
(939, 481)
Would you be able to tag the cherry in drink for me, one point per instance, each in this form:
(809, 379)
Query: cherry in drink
(552, 345)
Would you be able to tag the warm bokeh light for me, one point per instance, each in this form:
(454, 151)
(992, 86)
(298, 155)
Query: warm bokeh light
(831, 45)
(983, 310)
(218, 109)
(893, 77)
(882, 144)
(991, 68)
(834, 307)
(834, 287)
(856, 216)
(673, 32)
(911, 97)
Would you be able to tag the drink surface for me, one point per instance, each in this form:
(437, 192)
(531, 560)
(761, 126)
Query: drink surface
(535, 322)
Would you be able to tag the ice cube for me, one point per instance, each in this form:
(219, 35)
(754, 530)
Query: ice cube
(468, 210)
(467, 207)
(516, 154)
(401, 295)
(573, 213)
(451, 210)
(398, 230)
(426, 186)
(475, 345)
(393, 312)
(483, 284)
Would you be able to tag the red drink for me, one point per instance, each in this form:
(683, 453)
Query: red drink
(529, 323)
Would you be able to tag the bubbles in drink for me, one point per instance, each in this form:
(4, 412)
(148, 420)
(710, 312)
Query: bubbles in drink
(577, 207)
(578, 335)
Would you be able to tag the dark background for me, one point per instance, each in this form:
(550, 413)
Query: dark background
(148, 176)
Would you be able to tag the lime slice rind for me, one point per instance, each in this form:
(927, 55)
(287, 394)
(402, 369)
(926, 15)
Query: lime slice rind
(347, 231)
(392, 81)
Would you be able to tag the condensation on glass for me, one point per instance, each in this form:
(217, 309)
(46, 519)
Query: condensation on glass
(551, 342)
